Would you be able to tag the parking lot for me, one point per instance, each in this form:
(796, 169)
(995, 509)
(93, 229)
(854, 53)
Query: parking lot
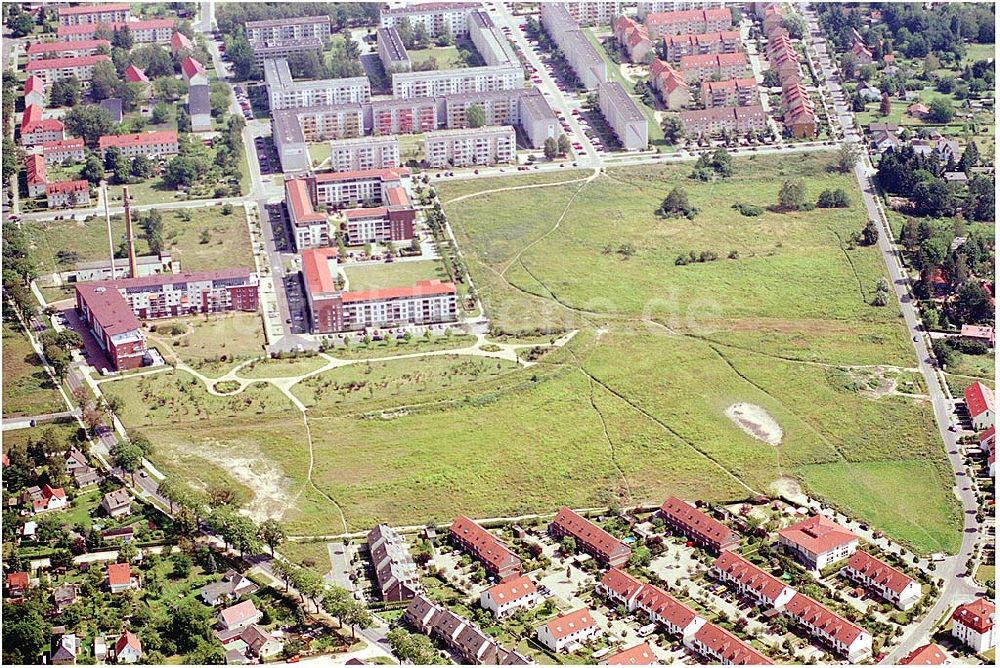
(267, 156)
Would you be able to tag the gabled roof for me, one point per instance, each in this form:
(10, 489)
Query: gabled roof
(419, 289)
(817, 534)
(570, 623)
(640, 655)
(57, 47)
(749, 575)
(59, 63)
(191, 67)
(119, 574)
(134, 75)
(979, 399)
(512, 590)
(925, 655)
(879, 572)
(94, 9)
(977, 615)
(34, 84)
(596, 538)
(117, 498)
(18, 579)
(138, 139)
(34, 165)
(237, 613)
(658, 602)
(488, 547)
(732, 650)
(690, 517)
(813, 614)
(180, 41)
(128, 639)
(60, 187)
(621, 583)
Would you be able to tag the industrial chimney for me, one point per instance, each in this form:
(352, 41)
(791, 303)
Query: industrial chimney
(132, 269)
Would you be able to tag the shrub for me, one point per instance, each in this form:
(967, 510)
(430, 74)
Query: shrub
(749, 210)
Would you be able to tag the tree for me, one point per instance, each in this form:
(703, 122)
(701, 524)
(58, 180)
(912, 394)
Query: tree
(89, 122)
(847, 157)
(869, 235)
(475, 117)
(568, 545)
(122, 38)
(358, 617)
(792, 194)
(141, 168)
(272, 533)
(241, 531)
(933, 198)
(189, 624)
(676, 205)
(10, 158)
(127, 552)
(65, 92)
(183, 171)
(168, 89)
(972, 303)
(25, 633)
(833, 199)
(941, 110)
(673, 129)
(154, 60)
(885, 106)
(942, 352)
(128, 457)
(182, 566)
(551, 148)
(104, 81)
(564, 144)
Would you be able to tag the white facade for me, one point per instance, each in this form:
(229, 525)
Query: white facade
(526, 599)
(558, 642)
(435, 17)
(435, 83)
(349, 155)
(624, 116)
(593, 12)
(471, 146)
(289, 28)
(657, 6)
(415, 309)
(285, 93)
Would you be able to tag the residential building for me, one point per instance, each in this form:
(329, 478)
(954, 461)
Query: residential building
(34, 92)
(799, 111)
(396, 574)
(593, 12)
(847, 640)
(134, 75)
(293, 129)
(889, 583)
(128, 648)
(624, 116)
(67, 194)
(180, 44)
(719, 645)
(38, 179)
(48, 499)
(645, 7)
(85, 47)
(121, 578)
(749, 580)
(724, 119)
(981, 333)
(194, 72)
(488, 145)
(368, 186)
(17, 585)
(232, 586)
(639, 655)
(585, 60)
(491, 44)
(437, 18)
(283, 48)
(538, 121)
(689, 22)
(621, 588)
(334, 310)
(149, 31)
(436, 83)
(862, 54)
(155, 144)
(730, 93)
(497, 558)
(972, 625)
(379, 224)
(663, 609)
(200, 108)
(773, 19)
(676, 47)
(499, 107)
(238, 616)
(590, 538)
(92, 14)
(248, 644)
(719, 66)
(981, 403)
(698, 526)
(471, 645)
(113, 105)
(65, 595)
(37, 130)
(505, 598)
(286, 93)
(633, 39)
(65, 647)
(113, 324)
(930, 654)
(361, 153)
(401, 117)
(117, 503)
(391, 51)
(100, 647)
(573, 628)
(818, 542)
(51, 70)
(311, 228)
(290, 28)
(124, 534)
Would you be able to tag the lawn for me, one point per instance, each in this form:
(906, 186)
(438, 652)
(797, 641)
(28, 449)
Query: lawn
(314, 556)
(974, 52)
(211, 343)
(392, 274)
(277, 368)
(27, 389)
(446, 57)
(986, 573)
(319, 152)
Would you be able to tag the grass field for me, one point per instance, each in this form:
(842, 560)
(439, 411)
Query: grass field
(394, 274)
(446, 56)
(319, 152)
(27, 389)
(212, 343)
(276, 368)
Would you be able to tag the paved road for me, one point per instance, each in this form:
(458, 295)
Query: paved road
(29, 421)
(957, 588)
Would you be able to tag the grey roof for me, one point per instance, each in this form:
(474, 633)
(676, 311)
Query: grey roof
(290, 21)
(394, 44)
(615, 93)
(198, 100)
(114, 107)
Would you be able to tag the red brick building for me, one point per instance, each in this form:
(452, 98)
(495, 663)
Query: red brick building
(497, 558)
(590, 538)
(696, 525)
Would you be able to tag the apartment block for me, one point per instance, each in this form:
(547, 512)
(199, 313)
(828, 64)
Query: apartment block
(676, 47)
(285, 93)
(89, 47)
(37, 176)
(436, 83)
(818, 541)
(436, 17)
(645, 7)
(35, 129)
(768, 591)
(396, 573)
(149, 31)
(150, 144)
(497, 558)
(721, 646)
(538, 121)
(722, 66)
(688, 520)
(350, 155)
(34, 92)
(64, 194)
(471, 146)
(114, 325)
(489, 41)
(91, 14)
(846, 639)
(670, 84)
(731, 93)
(62, 151)
(369, 187)
(273, 49)
(724, 119)
(291, 28)
(582, 56)
(293, 129)
(401, 117)
(310, 227)
(501, 107)
(467, 643)
(590, 538)
(57, 69)
(380, 224)
(593, 12)
(624, 116)
(689, 22)
(391, 51)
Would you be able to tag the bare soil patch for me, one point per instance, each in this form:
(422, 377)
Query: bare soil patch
(756, 422)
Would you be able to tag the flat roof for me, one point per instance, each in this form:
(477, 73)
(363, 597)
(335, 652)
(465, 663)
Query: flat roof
(286, 124)
(393, 42)
(486, 130)
(277, 74)
(615, 93)
(423, 7)
(290, 21)
(467, 72)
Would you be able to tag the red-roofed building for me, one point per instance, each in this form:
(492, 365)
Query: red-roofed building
(312, 229)
(63, 151)
(238, 616)
(799, 110)
(980, 401)
(121, 578)
(51, 498)
(58, 69)
(99, 13)
(983, 333)
(17, 585)
(972, 625)
(844, 638)
(67, 194)
(696, 525)
(773, 19)
(764, 588)
(503, 599)
(113, 324)
(37, 130)
(931, 654)
(621, 588)
(34, 165)
(715, 65)
(889, 583)
(862, 54)
(84, 47)
(150, 144)
(497, 558)
(677, 46)
(194, 72)
(693, 21)
(818, 542)
(640, 655)
(568, 630)
(721, 646)
(668, 612)
(633, 38)
(670, 84)
(364, 187)
(134, 75)
(729, 93)
(918, 109)
(34, 92)
(179, 42)
(128, 648)
(590, 538)
(148, 31)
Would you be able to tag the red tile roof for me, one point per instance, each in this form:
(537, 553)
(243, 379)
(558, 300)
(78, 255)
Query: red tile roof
(660, 603)
(369, 212)
(32, 121)
(397, 196)
(815, 615)
(191, 67)
(713, 60)
(138, 139)
(925, 655)
(49, 47)
(712, 86)
(128, 639)
(180, 41)
(977, 615)
(669, 78)
(749, 575)
(316, 270)
(134, 26)
(119, 574)
(621, 583)
(34, 83)
(698, 523)
(18, 579)
(979, 398)
(640, 655)
(512, 589)
(93, 9)
(705, 15)
(58, 63)
(817, 534)
(419, 289)
(134, 75)
(79, 185)
(593, 537)
(879, 572)
(300, 204)
(488, 547)
(570, 623)
(35, 166)
(732, 650)
(235, 614)
(62, 144)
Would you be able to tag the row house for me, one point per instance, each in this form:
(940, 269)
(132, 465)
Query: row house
(381, 224)
(720, 66)
(639, 655)
(148, 31)
(676, 47)
(88, 47)
(470, 146)
(818, 542)
(436, 83)
(981, 404)
(862, 54)
(63, 194)
(311, 228)
(503, 599)
(930, 654)
(783, 58)
(290, 28)
(847, 640)
(391, 51)
(155, 144)
(566, 631)
(583, 57)
(498, 559)
(972, 624)
(371, 186)
(36, 130)
(460, 636)
(749, 580)
(57, 69)
(349, 155)
(798, 110)
(661, 608)
(708, 122)
(34, 91)
(721, 646)
(669, 84)
(889, 583)
(590, 538)
(689, 22)
(593, 12)
(286, 93)
(624, 116)
(34, 166)
(437, 18)
(772, 18)
(730, 93)
(396, 574)
(706, 531)
(633, 38)
(92, 14)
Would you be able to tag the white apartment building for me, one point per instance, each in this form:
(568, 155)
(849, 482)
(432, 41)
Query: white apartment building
(282, 48)
(588, 64)
(91, 14)
(391, 51)
(65, 150)
(624, 116)
(351, 155)
(490, 42)
(150, 144)
(339, 189)
(658, 6)
(435, 17)
(593, 12)
(292, 28)
(972, 625)
(285, 93)
(471, 146)
(436, 83)
(57, 69)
